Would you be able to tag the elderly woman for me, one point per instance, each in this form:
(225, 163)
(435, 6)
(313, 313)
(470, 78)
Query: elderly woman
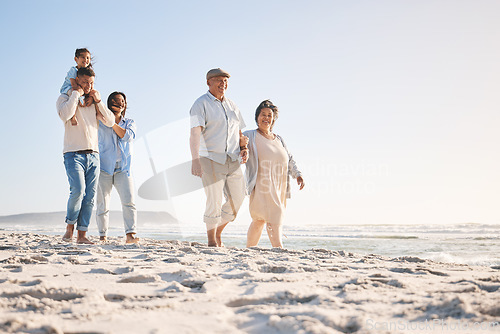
(115, 151)
(268, 172)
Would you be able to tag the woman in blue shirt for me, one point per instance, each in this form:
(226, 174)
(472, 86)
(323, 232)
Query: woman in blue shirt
(115, 151)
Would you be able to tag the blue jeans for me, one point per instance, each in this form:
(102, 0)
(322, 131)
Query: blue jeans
(83, 172)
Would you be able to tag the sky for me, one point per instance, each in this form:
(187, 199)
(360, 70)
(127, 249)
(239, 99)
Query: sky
(390, 108)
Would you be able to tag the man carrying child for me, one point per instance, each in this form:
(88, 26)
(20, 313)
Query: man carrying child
(81, 150)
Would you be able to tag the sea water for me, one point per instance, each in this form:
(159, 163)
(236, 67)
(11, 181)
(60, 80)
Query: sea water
(471, 243)
(476, 244)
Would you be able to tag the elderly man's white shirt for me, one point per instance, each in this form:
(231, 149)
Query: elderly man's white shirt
(221, 122)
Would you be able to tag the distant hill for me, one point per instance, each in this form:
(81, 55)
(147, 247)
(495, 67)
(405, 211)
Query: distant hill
(57, 217)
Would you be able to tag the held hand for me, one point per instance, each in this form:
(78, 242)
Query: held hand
(88, 101)
(95, 95)
(244, 155)
(300, 182)
(196, 168)
(243, 148)
(243, 140)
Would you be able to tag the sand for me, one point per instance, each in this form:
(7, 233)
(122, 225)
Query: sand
(51, 286)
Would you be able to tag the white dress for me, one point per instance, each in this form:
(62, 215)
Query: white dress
(268, 199)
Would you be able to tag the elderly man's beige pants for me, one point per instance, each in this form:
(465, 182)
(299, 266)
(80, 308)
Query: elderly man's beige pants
(218, 180)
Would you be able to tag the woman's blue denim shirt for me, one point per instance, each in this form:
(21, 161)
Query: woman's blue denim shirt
(109, 143)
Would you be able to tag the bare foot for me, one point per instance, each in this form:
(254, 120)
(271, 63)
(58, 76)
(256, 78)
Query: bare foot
(219, 241)
(103, 238)
(68, 236)
(82, 239)
(218, 234)
(131, 239)
(212, 242)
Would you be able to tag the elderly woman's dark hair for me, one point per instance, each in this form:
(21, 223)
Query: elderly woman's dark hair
(267, 104)
(110, 101)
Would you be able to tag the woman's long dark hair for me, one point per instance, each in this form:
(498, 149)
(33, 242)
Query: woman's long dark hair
(110, 101)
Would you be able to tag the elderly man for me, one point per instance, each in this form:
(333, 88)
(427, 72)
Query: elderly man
(216, 122)
(81, 146)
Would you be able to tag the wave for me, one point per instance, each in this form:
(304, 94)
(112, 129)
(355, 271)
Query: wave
(470, 260)
(403, 237)
(347, 236)
(485, 238)
(398, 230)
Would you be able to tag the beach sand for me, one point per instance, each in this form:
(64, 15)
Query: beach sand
(51, 286)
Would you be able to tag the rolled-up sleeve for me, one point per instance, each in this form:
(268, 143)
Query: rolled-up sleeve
(242, 122)
(66, 105)
(130, 131)
(197, 114)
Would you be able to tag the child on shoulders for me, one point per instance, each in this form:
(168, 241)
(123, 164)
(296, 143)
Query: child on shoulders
(83, 58)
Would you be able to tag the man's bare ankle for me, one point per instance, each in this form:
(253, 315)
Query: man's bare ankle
(84, 240)
(68, 235)
(132, 239)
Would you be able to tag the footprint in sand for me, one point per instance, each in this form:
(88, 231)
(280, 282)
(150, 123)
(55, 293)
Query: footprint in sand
(279, 298)
(141, 279)
(41, 293)
(100, 271)
(273, 269)
(14, 268)
(25, 283)
(193, 284)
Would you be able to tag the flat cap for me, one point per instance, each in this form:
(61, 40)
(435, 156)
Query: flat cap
(217, 72)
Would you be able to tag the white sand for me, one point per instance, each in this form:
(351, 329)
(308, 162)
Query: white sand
(50, 286)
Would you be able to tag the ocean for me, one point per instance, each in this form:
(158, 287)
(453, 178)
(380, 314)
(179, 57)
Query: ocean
(470, 243)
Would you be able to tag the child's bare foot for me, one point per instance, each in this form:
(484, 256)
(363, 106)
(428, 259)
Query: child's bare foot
(73, 120)
(103, 238)
(131, 239)
(68, 236)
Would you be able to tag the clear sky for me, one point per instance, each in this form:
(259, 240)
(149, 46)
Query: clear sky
(391, 108)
